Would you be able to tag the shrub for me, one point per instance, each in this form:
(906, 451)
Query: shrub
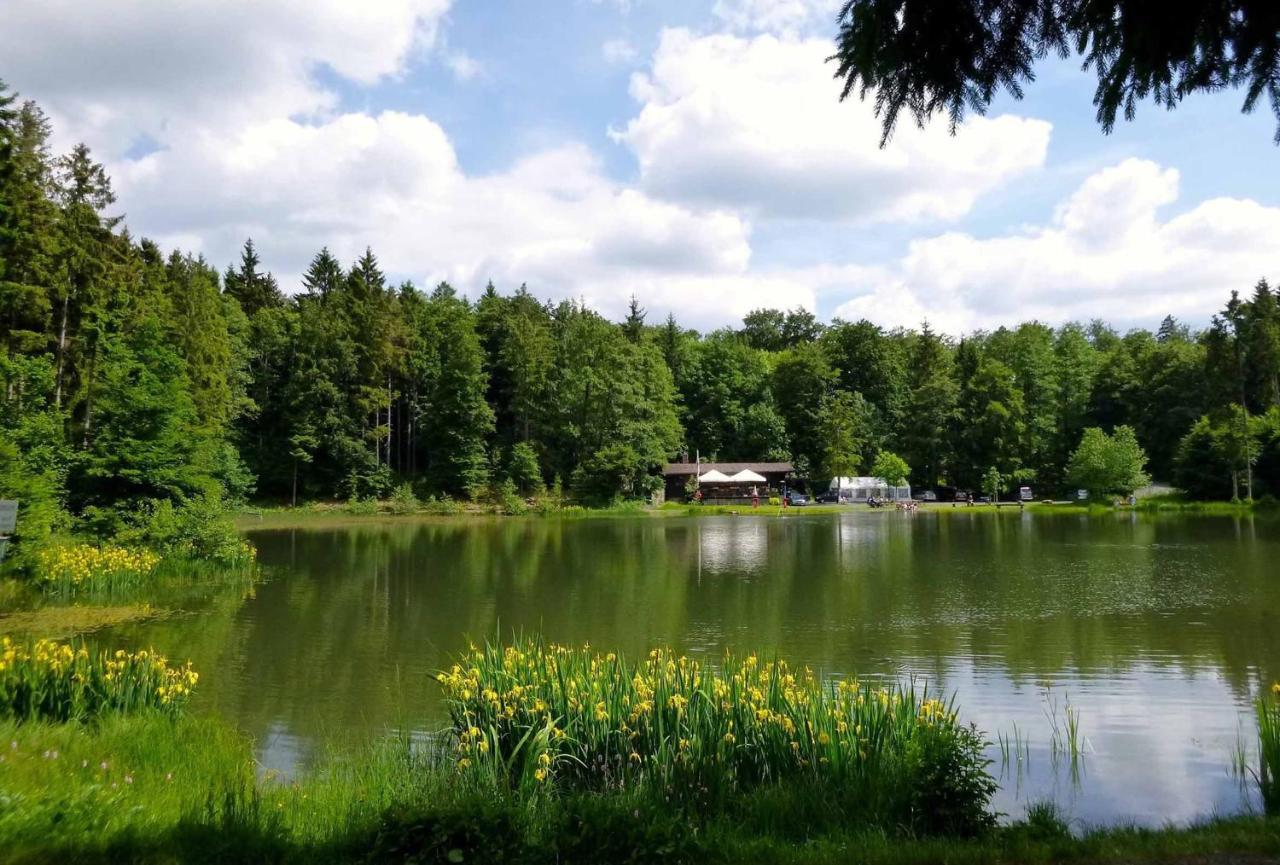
(403, 501)
(362, 506)
(198, 528)
(62, 682)
(509, 501)
(529, 717)
(441, 506)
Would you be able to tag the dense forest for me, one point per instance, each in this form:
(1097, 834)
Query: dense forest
(140, 381)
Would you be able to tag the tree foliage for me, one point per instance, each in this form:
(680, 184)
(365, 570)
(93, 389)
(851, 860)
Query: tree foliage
(1108, 464)
(947, 58)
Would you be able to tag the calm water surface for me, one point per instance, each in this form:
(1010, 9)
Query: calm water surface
(1157, 630)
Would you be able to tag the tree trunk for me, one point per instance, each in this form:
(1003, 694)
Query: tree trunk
(295, 483)
(62, 348)
(88, 399)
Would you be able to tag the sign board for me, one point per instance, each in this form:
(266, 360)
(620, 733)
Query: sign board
(8, 516)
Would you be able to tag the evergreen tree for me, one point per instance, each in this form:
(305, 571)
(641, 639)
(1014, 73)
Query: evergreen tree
(633, 324)
(252, 289)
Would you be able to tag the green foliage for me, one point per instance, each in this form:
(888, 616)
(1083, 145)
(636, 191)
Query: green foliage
(1108, 464)
(1267, 714)
(529, 718)
(524, 469)
(53, 681)
(137, 385)
(892, 468)
(992, 481)
(403, 500)
(197, 528)
(844, 428)
(974, 50)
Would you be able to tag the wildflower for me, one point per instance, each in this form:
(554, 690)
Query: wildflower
(540, 774)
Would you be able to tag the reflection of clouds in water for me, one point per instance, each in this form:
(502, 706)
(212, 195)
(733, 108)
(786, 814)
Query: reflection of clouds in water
(1158, 740)
(737, 545)
(281, 753)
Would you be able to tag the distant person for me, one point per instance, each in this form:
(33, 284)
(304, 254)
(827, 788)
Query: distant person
(697, 496)
(755, 497)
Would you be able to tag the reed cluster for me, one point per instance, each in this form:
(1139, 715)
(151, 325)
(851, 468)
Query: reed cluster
(532, 716)
(1267, 709)
(53, 681)
(80, 567)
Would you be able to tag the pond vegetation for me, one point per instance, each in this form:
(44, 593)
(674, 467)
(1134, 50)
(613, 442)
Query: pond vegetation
(139, 780)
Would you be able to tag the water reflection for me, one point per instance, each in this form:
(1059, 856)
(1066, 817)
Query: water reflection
(1155, 628)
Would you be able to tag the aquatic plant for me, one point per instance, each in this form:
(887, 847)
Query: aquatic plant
(74, 567)
(532, 716)
(48, 680)
(1267, 709)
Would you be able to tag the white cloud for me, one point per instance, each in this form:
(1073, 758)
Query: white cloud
(755, 125)
(111, 73)
(463, 66)
(778, 16)
(1106, 253)
(393, 181)
(618, 51)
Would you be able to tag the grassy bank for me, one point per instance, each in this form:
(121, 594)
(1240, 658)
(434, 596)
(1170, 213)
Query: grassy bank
(555, 756)
(154, 789)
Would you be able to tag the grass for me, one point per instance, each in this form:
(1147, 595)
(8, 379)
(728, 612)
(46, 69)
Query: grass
(159, 789)
(119, 781)
(1267, 710)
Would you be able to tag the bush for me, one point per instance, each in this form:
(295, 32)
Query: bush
(509, 501)
(403, 501)
(198, 528)
(443, 506)
(362, 506)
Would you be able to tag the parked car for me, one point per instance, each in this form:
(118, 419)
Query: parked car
(831, 497)
(1024, 494)
(799, 500)
(984, 500)
(962, 496)
(928, 496)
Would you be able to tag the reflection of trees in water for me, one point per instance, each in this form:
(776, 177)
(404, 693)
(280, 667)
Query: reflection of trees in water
(366, 607)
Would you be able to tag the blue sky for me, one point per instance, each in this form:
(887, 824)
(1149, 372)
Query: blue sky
(691, 153)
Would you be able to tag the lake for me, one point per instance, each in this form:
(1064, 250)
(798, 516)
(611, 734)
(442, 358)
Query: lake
(1156, 630)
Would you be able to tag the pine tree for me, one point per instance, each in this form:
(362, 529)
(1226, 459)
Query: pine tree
(633, 325)
(250, 287)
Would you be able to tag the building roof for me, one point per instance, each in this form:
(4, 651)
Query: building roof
(728, 468)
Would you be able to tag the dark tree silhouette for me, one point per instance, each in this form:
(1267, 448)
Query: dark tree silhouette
(933, 57)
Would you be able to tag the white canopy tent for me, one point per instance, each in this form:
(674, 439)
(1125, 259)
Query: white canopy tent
(714, 477)
(746, 476)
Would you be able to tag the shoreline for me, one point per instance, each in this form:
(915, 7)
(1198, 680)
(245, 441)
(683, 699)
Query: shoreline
(337, 515)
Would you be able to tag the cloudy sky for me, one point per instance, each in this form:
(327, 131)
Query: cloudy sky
(692, 152)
